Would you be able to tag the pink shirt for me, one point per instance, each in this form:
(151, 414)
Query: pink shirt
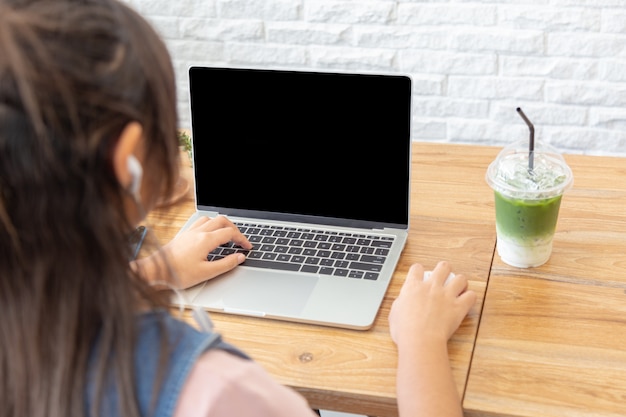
(224, 385)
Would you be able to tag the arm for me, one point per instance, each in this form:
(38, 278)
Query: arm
(185, 257)
(422, 319)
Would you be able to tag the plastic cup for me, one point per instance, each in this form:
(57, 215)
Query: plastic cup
(527, 201)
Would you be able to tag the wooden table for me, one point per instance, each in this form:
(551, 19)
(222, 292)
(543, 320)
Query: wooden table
(354, 371)
(552, 339)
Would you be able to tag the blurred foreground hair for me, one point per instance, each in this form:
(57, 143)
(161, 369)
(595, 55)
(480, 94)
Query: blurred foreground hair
(73, 74)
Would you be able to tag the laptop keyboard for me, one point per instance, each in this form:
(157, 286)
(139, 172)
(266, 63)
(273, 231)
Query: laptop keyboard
(323, 252)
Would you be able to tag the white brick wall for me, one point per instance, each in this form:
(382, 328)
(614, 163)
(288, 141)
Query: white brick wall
(472, 61)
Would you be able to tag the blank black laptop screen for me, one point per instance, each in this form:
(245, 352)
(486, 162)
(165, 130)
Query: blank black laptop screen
(298, 143)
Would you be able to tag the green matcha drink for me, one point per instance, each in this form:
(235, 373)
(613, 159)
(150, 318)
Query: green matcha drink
(527, 202)
(525, 228)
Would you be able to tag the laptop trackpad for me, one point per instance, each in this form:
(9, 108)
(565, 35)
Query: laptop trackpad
(257, 292)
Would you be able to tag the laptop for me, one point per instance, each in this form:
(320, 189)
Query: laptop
(314, 167)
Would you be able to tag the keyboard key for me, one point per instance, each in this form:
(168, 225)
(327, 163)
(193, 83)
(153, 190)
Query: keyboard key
(356, 274)
(365, 267)
(373, 259)
(382, 243)
(341, 264)
(284, 266)
(281, 249)
(340, 272)
(371, 275)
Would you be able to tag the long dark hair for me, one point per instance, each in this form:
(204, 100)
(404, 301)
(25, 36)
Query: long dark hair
(73, 74)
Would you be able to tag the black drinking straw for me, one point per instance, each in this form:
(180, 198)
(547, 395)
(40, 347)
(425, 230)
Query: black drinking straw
(531, 144)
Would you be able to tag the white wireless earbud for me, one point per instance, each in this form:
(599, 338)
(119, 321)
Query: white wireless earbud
(136, 172)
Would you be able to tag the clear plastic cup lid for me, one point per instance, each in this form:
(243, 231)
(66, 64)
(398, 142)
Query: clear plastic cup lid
(510, 174)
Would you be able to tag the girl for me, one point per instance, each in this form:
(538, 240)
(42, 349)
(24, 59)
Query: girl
(88, 144)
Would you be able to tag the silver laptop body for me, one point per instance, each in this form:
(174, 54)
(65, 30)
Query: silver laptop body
(291, 153)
